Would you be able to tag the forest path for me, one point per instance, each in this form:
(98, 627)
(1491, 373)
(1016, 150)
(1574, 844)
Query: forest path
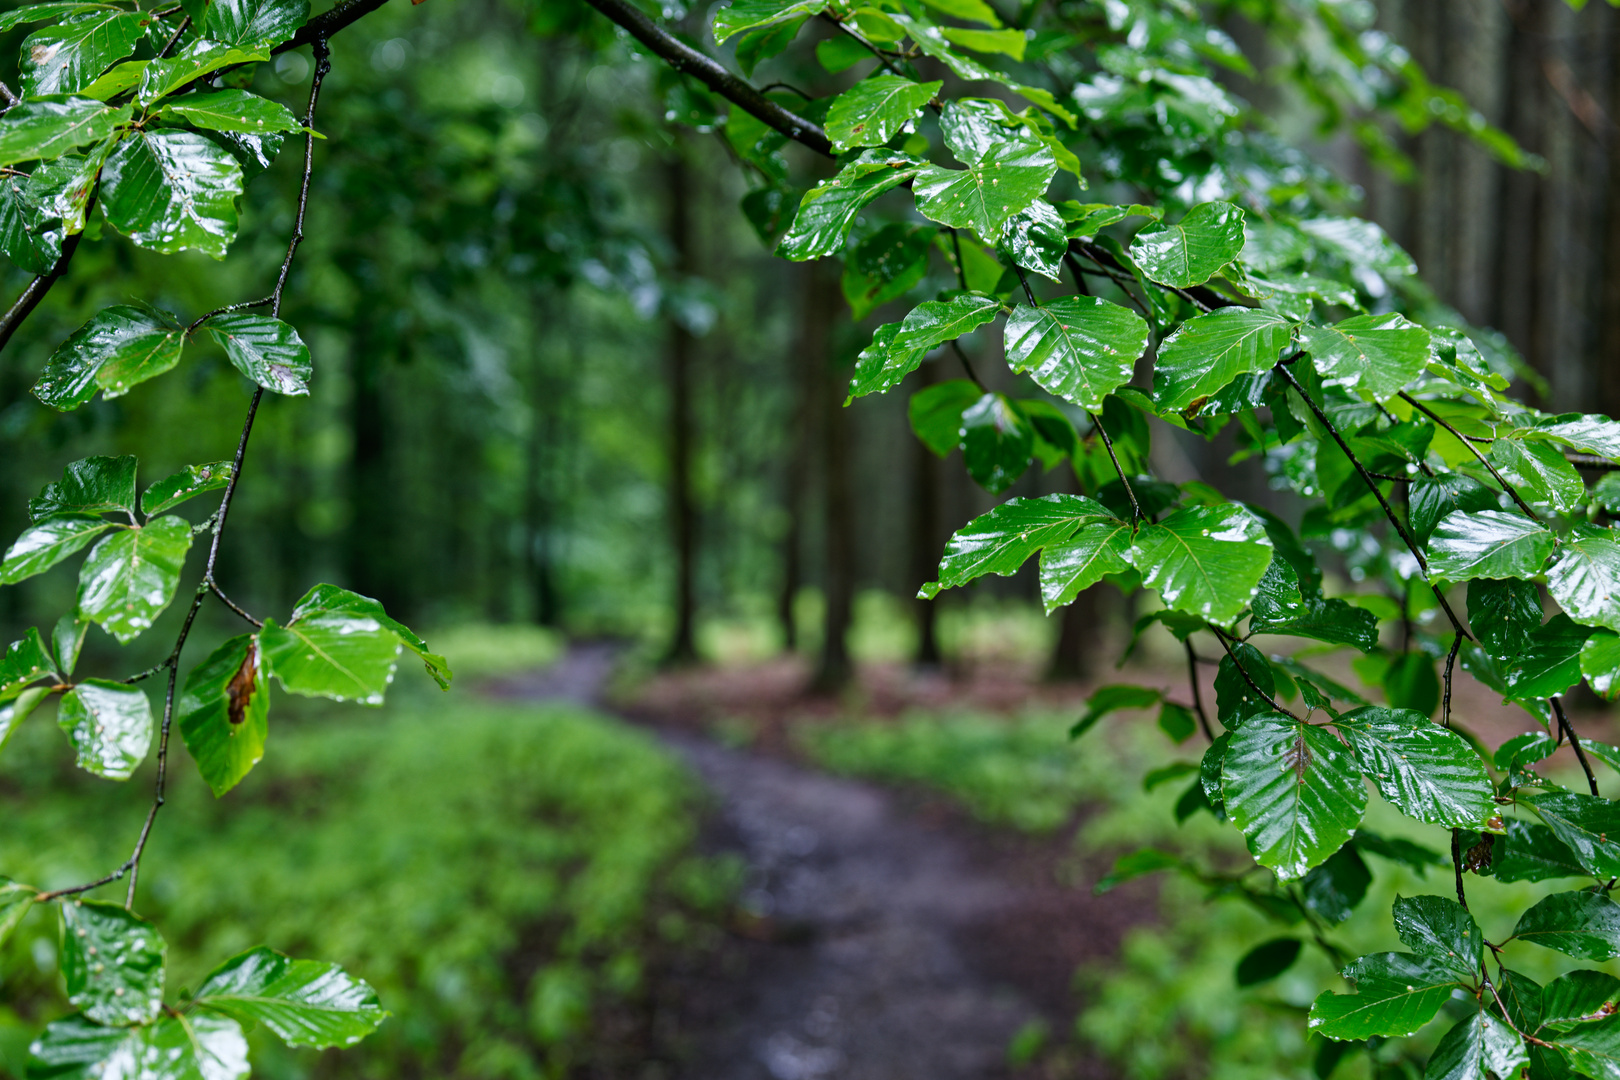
(877, 942)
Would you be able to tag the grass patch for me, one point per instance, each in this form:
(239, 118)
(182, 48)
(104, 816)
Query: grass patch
(503, 876)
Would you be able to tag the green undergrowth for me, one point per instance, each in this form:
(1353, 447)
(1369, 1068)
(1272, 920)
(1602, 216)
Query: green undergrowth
(505, 877)
(1150, 1010)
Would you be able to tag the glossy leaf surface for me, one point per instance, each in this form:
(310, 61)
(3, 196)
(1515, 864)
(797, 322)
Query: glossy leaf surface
(130, 576)
(112, 961)
(48, 543)
(109, 724)
(331, 600)
(232, 110)
(1001, 541)
(827, 212)
(1206, 353)
(191, 481)
(1069, 567)
(871, 112)
(1192, 250)
(94, 485)
(1580, 924)
(1427, 772)
(1205, 560)
(119, 348)
(66, 58)
(266, 350)
(253, 24)
(981, 197)
(1379, 355)
(1439, 928)
(172, 191)
(1294, 791)
(305, 1002)
(224, 713)
(1079, 348)
(1488, 544)
(1396, 994)
(49, 127)
(1479, 1045)
(1585, 823)
(1585, 577)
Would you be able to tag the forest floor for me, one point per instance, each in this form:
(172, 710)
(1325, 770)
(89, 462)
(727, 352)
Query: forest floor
(881, 934)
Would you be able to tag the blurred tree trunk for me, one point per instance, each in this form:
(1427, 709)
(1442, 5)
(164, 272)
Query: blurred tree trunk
(368, 550)
(540, 502)
(682, 513)
(926, 541)
(805, 386)
(1079, 633)
(838, 578)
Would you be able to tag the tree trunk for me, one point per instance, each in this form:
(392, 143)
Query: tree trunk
(925, 542)
(838, 579)
(805, 379)
(368, 545)
(682, 513)
(540, 503)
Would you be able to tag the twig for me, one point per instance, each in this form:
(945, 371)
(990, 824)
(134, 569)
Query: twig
(1197, 694)
(1029, 294)
(967, 366)
(1221, 637)
(1457, 866)
(184, 23)
(1580, 754)
(1472, 449)
(191, 328)
(36, 290)
(1136, 507)
(228, 602)
(1451, 663)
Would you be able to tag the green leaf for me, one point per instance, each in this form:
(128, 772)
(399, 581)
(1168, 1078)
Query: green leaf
(1138, 864)
(173, 191)
(93, 485)
(305, 1002)
(109, 724)
(1600, 663)
(936, 412)
(983, 196)
(1006, 42)
(202, 57)
(1504, 614)
(15, 900)
(1593, 1049)
(1549, 662)
(884, 267)
(1428, 500)
(1580, 924)
(117, 349)
(1440, 929)
(1589, 433)
(40, 12)
(1208, 352)
(49, 127)
(757, 46)
(1001, 541)
(1206, 560)
(1267, 960)
(1428, 772)
(1293, 790)
(1378, 355)
(253, 24)
(176, 1047)
(1522, 998)
(1080, 348)
(1069, 567)
(1281, 606)
(189, 482)
(43, 546)
(332, 601)
(62, 187)
(66, 58)
(16, 710)
(122, 78)
(1035, 239)
(25, 660)
(1194, 249)
(997, 441)
(1585, 577)
(130, 577)
(1479, 1046)
(68, 638)
(112, 961)
(224, 713)
(1585, 823)
(740, 15)
(1539, 472)
(1177, 722)
(1235, 698)
(895, 354)
(1109, 699)
(873, 111)
(1411, 684)
(231, 110)
(1580, 996)
(29, 235)
(332, 654)
(1489, 544)
(967, 10)
(266, 350)
(1530, 852)
(1333, 889)
(827, 212)
(1396, 994)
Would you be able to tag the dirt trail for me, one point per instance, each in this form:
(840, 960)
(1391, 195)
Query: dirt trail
(887, 943)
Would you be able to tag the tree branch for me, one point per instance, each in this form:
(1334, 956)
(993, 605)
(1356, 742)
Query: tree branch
(1472, 449)
(1569, 732)
(1197, 694)
(688, 61)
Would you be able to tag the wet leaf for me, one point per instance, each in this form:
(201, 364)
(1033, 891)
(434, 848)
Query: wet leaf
(873, 111)
(1267, 960)
(93, 485)
(1293, 790)
(253, 24)
(1080, 348)
(117, 349)
(305, 1002)
(827, 211)
(1378, 355)
(1488, 544)
(1585, 577)
(740, 15)
(112, 961)
(1001, 541)
(191, 481)
(110, 726)
(1480, 1045)
(130, 576)
(331, 600)
(266, 350)
(15, 900)
(1396, 994)
(1205, 560)
(232, 110)
(202, 57)
(1208, 352)
(49, 127)
(43, 546)
(997, 441)
(1438, 928)
(172, 191)
(1192, 250)
(983, 196)
(896, 352)
(1589, 825)
(193, 1047)
(1538, 471)
(66, 58)
(1580, 924)
(1427, 772)
(224, 713)
(1070, 566)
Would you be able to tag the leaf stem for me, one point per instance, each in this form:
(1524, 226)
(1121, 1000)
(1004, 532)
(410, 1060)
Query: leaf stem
(1197, 694)
(1569, 731)
(1221, 637)
(1136, 507)
(1472, 449)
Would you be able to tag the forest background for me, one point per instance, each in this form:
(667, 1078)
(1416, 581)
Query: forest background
(556, 360)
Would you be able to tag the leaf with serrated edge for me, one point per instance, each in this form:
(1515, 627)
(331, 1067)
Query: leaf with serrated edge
(1427, 772)
(112, 961)
(93, 485)
(1580, 924)
(253, 24)
(1208, 352)
(109, 724)
(1488, 544)
(48, 543)
(224, 713)
(1001, 541)
(1080, 348)
(173, 191)
(66, 58)
(333, 655)
(1069, 567)
(1396, 994)
(981, 197)
(305, 1002)
(1439, 928)
(266, 350)
(1206, 560)
(1192, 250)
(130, 577)
(1585, 577)
(1293, 790)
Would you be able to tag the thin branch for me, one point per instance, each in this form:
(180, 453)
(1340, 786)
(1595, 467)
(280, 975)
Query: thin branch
(1029, 294)
(687, 60)
(1197, 694)
(1502, 1005)
(174, 38)
(1472, 449)
(1451, 664)
(1569, 731)
(191, 328)
(961, 267)
(1457, 866)
(1411, 545)
(967, 366)
(1221, 637)
(861, 39)
(323, 26)
(36, 290)
(1136, 507)
(1590, 461)
(232, 604)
